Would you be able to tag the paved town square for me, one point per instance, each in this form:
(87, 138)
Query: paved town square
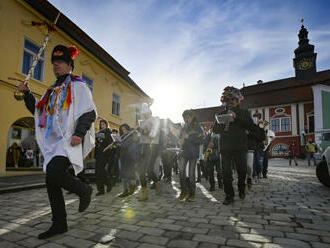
(289, 209)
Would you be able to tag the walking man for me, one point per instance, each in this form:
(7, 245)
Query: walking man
(63, 118)
(233, 142)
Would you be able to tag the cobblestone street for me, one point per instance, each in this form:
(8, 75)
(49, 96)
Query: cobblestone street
(289, 209)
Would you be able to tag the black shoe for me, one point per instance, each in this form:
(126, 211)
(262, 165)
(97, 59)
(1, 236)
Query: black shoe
(99, 193)
(242, 195)
(52, 231)
(212, 188)
(85, 200)
(124, 194)
(131, 189)
(228, 200)
(265, 176)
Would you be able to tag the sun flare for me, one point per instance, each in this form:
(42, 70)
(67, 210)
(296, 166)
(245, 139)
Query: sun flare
(167, 101)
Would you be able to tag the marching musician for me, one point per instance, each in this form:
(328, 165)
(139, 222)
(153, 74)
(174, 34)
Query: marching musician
(103, 139)
(149, 129)
(63, 118)
(270, 135)
(233, 142)
(191, 138)
(212, 159)
(128, 156)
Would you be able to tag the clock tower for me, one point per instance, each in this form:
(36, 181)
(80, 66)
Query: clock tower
(305, 58)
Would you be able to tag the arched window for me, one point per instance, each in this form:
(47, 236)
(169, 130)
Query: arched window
(280, 149)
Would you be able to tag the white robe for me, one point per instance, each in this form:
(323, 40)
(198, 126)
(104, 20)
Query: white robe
(58, 143)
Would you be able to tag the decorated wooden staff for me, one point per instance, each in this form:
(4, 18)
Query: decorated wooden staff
(19, 95)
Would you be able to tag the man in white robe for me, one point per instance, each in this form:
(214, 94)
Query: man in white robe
(64, 128)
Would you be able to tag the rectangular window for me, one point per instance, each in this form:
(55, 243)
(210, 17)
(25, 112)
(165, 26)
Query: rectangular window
(31, 51)
(275, 125)
(115, 104)
(281, 124)
(285, 124)
(88, 81)
(310, 123)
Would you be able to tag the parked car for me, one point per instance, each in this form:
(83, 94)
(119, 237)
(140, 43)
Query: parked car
(323, 168)
(324, 143)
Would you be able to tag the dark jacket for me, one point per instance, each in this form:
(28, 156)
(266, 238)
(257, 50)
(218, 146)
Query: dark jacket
(103, 139)
(256, 138)
(191, 145)
(235, 138)
(129, 156)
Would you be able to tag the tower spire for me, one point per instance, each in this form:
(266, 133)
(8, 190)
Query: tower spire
(305, 58)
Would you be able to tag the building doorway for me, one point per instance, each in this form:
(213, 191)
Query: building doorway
(22, 149)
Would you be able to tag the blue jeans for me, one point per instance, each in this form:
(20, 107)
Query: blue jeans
(257, 163)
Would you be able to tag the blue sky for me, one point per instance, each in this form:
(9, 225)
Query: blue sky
(183, 53)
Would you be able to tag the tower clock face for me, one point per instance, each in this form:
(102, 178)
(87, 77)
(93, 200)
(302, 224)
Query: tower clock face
(305, 64)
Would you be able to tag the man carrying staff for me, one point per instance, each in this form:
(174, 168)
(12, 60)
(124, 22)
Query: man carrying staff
(63, 120)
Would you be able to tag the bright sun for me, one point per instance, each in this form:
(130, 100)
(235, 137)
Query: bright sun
(167, 101)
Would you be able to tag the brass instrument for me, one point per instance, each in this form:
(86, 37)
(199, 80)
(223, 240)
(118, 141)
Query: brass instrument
(207, 154)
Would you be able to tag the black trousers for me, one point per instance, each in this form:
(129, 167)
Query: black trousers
(265, 164)
(204, 169)
(230, 160)
(168, 162)
(148, 158)
(58, 177)
(211, 165)
(101, 173)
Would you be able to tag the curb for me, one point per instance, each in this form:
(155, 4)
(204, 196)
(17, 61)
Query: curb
(22, 188)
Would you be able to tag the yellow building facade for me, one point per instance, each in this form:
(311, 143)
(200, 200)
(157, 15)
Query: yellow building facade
(116, 95)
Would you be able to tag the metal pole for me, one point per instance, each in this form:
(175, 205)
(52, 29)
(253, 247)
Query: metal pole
(18, 94)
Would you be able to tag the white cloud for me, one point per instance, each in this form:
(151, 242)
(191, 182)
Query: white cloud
(183, 53)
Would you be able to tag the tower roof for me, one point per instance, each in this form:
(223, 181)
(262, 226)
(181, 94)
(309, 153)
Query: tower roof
(304, 46)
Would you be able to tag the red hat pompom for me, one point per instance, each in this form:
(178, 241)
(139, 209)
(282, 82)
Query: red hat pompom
(73, 50)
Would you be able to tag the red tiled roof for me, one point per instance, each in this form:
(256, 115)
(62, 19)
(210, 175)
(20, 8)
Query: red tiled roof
(206, 114)
(283, 91)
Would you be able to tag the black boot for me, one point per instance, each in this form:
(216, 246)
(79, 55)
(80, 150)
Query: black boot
(242, 195)
(228, 200)
(124, 194)
(131, 189)
(212, 188)
(85, 200)
(53, 230)
(109, 188)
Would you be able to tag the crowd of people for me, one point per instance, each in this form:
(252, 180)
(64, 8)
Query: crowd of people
(156, 149)
(65, 133)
